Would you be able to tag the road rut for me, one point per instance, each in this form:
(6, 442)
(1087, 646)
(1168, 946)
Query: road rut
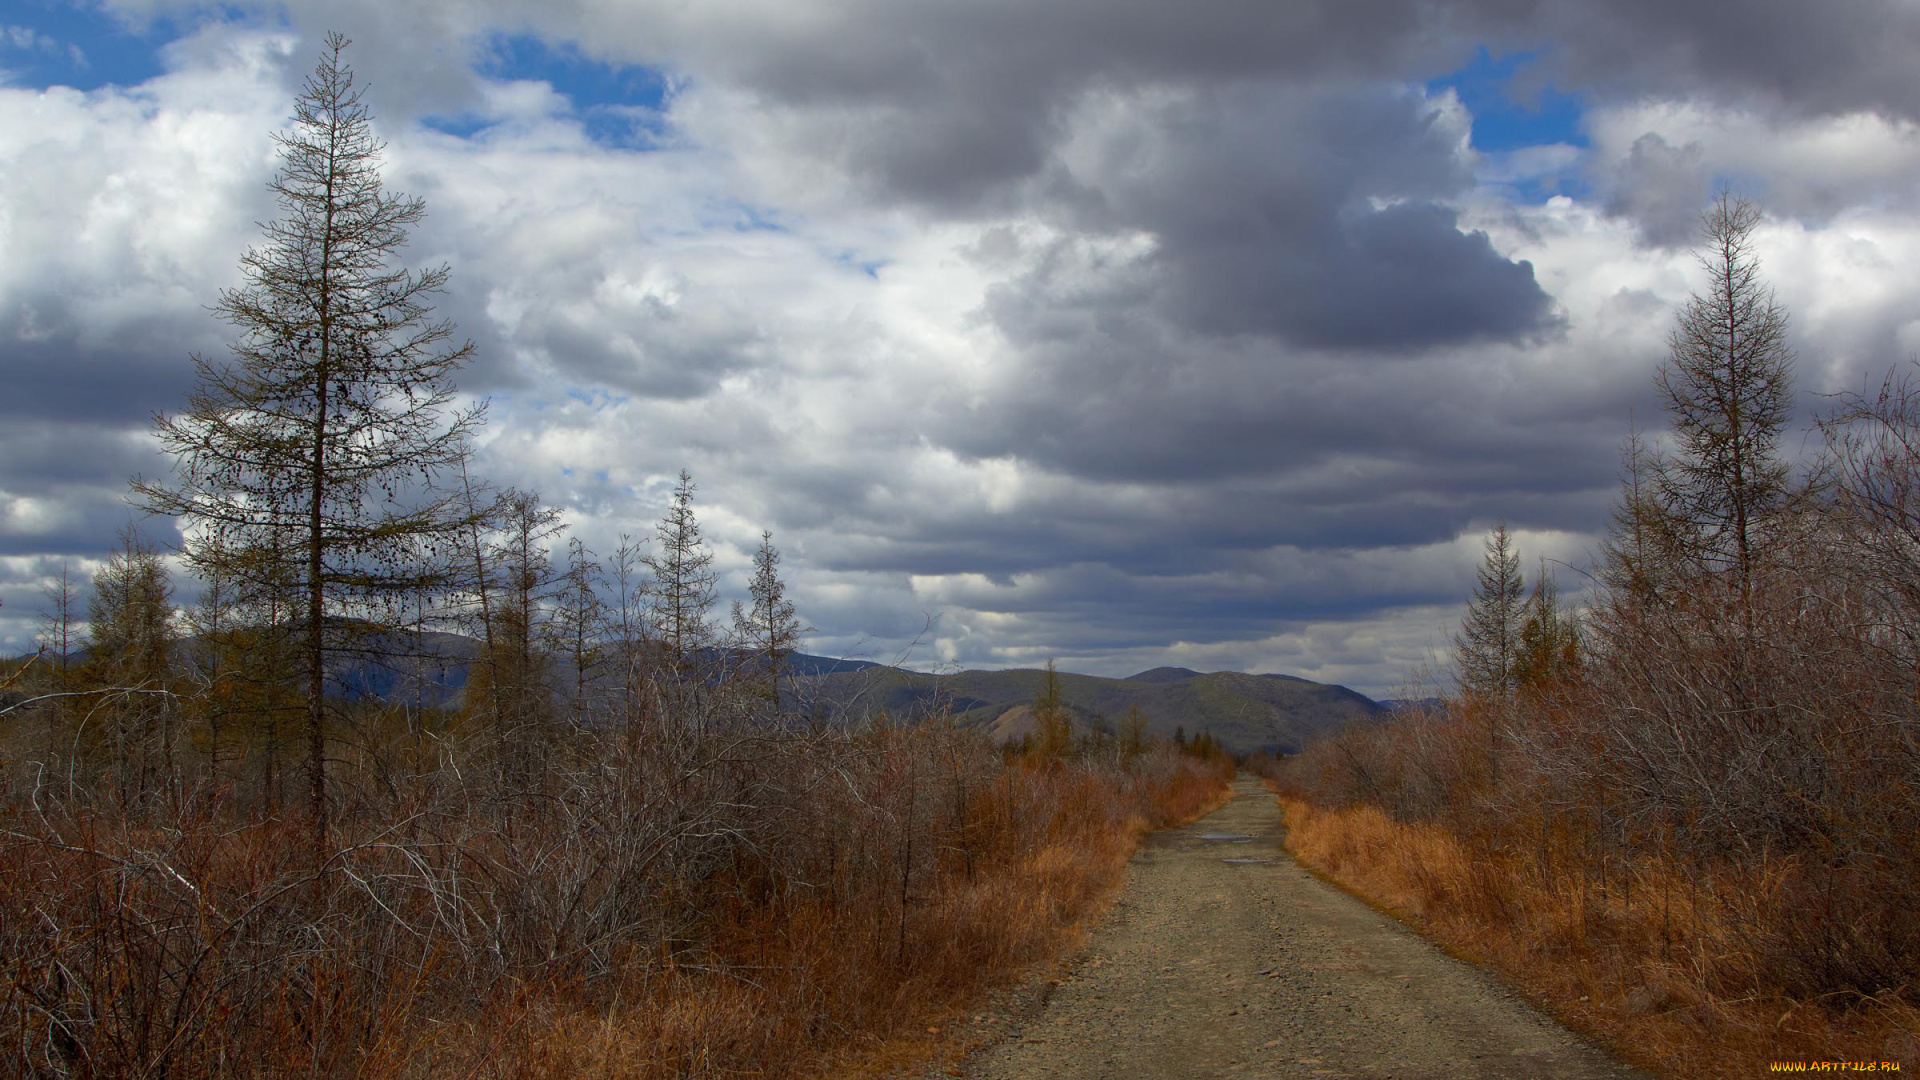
(1223, 958)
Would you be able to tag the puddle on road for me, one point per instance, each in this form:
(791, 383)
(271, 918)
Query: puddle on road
(1238, 838)
(1246, 862)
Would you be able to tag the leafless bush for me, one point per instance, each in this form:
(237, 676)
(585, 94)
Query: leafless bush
(1762, 745)
(205, 944)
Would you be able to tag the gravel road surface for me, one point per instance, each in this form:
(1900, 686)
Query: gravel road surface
(1223, 958)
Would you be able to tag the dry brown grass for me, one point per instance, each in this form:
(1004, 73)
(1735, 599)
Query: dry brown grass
(1640, 959)
(758, 906)
(830, 994)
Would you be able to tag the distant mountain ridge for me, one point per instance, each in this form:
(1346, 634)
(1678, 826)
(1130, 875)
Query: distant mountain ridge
(1243, 712)
(1163, 675)
(437, 672)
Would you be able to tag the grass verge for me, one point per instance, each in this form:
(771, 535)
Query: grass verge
(1631, 959)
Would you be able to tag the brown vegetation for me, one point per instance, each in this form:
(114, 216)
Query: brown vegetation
(619, 850)
(1703, 839)
(1696, 828)
(754, 902)
(1642, 959)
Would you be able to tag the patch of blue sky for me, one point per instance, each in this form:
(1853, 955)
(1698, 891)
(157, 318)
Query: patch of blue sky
(616, 105)
(1528, 132)
(868, 267)
(1511, 110)
(858, 261)
(45, 43)
(748, 218)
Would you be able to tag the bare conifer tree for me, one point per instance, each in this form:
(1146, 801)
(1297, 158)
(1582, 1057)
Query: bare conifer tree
(1052, 722)
(579, 623)
(218, 648)
(515, 669)
(59, 636)
(1549, 636)
(628, 619)
(57, 623)
(768, 628)
(1640, 554)
(1487, 648)
(683, 579)
(130, 622)
(1728, 382)
(313, 454)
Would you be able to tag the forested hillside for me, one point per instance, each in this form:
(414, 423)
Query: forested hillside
(1244, 713)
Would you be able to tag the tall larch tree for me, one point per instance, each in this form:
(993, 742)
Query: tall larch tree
(580, 622)
(312, 456)
(1487, 648)
(1549, 636)
(1640, 555)
(59, 638)
(516, 668)
(1052, 720)
(683, 579)
(1728, 384)
(131, 632)
(627, 621)
(768, 628)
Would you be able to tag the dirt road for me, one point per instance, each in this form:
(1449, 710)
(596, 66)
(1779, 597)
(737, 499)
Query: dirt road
(1223, 958)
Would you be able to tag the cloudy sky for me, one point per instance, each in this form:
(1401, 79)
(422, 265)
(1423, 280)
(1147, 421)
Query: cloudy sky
(1119, 331)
